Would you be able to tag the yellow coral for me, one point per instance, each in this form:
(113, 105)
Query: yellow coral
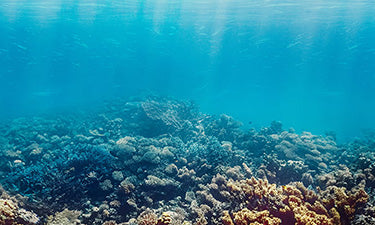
(343, 204)
(226, 219)
(8, 211)
(65, 217)
(290, 204)
(247, 217)
(165, 219)
(147, 218)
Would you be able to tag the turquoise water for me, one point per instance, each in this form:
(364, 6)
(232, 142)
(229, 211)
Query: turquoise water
(113, 112)
(309, 64)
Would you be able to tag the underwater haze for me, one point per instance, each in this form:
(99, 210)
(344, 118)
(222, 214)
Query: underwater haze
(309, 64)
(187, 112)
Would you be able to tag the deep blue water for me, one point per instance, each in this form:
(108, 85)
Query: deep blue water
(309, 64)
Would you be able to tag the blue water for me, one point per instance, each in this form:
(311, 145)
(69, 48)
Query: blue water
(309, 64)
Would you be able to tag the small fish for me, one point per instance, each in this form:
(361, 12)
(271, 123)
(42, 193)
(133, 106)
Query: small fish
(82, 44)
(216, 33)
(353, 47)
(293, 44)
(21, 47)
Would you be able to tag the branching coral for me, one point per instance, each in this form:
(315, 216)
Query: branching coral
(8, 211)
(148, 217)
(247, 217)
(11, 214)
(65, 217)
(162, 154)
(342, 202)
(255, 201)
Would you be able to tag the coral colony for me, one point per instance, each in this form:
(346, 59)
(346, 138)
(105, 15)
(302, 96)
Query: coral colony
(159, 161)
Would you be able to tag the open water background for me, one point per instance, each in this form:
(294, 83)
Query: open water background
(309, 64)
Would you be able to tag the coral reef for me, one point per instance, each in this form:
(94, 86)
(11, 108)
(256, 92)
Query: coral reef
(12, 214)
(65, 217)
(160, 161)
(255, 201)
